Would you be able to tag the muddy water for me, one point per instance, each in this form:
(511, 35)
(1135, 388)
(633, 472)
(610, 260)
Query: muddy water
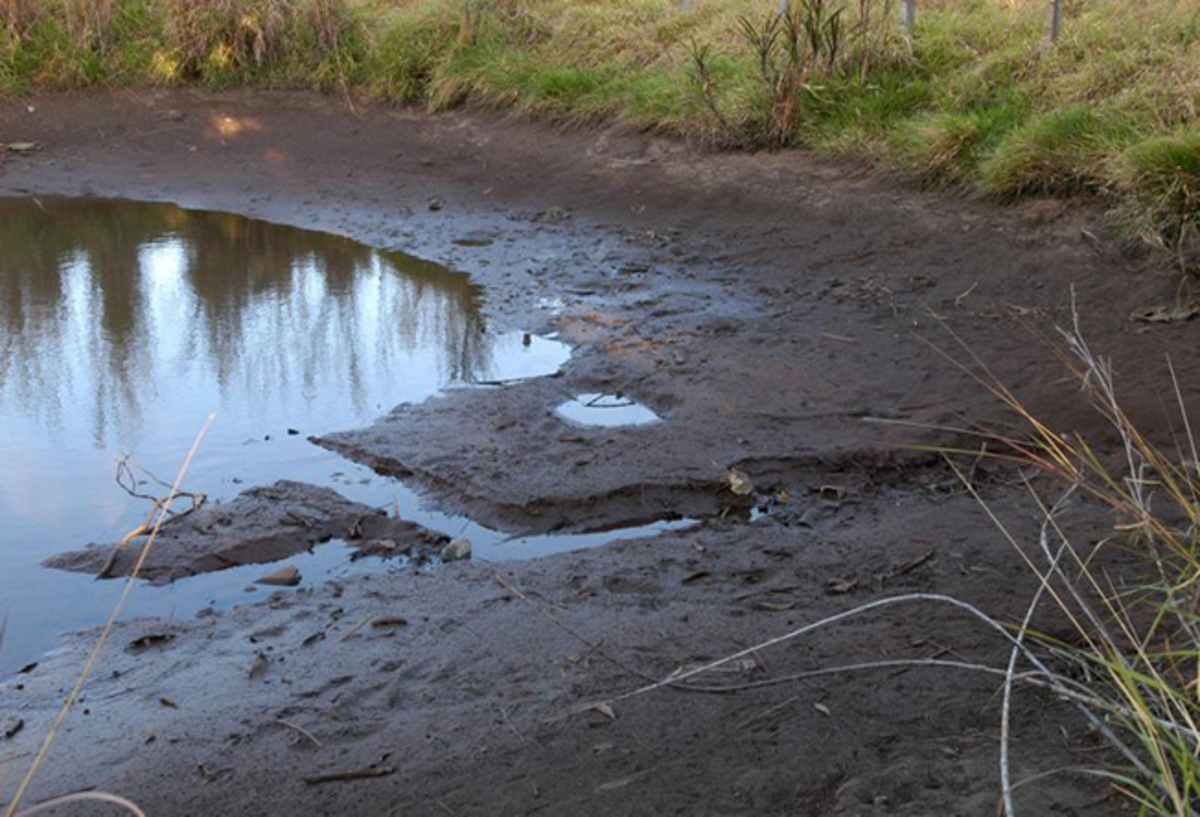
(123, 325)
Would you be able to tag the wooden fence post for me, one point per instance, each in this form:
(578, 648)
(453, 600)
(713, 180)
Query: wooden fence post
(1053, 21)
(908, 15)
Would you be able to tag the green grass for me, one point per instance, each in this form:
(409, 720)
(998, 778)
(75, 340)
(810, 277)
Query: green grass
(973, 101)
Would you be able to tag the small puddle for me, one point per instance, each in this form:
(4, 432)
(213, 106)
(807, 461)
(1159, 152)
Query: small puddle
(606, 410)
(122, 325)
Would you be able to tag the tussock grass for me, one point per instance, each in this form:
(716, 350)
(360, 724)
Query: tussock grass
(972, 99)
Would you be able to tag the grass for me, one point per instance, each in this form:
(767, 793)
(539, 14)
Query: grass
(971, 100)
(1132, 652)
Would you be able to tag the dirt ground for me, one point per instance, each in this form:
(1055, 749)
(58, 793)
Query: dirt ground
(780, 314)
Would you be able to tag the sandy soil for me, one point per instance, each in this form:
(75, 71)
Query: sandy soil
(773, 310)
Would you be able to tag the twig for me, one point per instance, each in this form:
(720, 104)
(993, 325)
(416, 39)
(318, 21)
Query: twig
(354, 774)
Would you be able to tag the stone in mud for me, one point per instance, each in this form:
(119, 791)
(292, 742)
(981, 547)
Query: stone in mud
(458, 549)
(286, 576)
(260, 525)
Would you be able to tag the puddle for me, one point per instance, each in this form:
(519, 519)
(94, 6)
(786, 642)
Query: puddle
(606, 410)
(122, 325)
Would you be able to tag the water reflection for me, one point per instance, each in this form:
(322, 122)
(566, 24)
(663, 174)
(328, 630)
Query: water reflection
(106, 308)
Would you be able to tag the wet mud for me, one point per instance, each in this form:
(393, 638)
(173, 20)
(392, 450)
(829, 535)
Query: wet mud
(788, 322)
(260, 525)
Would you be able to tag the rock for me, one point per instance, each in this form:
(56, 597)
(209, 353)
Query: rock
(286, 576)
(458, 549)
(435, 204)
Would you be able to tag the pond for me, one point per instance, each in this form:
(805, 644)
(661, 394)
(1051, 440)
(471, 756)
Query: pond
(122, 325)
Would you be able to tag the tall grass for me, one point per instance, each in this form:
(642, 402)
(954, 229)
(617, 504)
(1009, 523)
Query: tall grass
(1134, 646)
(971, 99)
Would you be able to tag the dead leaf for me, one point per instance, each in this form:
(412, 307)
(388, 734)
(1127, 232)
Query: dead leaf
(1165, 314)
(259, 666)
(286, 576)
(21, 147)
(837, 587)
(603, 708)
(699, 575)
(168, 702)
(823, 709)
(774, 606)
(739, 482)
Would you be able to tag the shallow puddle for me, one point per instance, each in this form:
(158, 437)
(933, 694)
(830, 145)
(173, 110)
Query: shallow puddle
(605, 410)
(123, 325)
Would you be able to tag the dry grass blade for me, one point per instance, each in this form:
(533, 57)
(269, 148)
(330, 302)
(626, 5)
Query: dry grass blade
(84, 797)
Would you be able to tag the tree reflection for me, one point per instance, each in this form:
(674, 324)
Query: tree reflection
(106, 306)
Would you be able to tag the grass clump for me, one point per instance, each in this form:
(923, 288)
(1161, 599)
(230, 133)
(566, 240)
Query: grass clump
(1062, 152)
(1162, 175)
(1128, 655)
(945, 149)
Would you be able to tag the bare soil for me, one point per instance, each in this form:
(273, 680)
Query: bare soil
(786, 318)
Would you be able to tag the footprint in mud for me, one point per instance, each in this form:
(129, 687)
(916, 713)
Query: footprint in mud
(625, 584)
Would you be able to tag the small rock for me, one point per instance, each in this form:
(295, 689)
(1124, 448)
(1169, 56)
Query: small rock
(286, 576)
(458, 549)
(436, 204)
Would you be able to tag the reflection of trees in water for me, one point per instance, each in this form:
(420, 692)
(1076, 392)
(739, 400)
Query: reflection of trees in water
(266, 306)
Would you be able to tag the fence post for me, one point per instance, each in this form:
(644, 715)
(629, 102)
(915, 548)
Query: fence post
(784, 7)
(908, 15)
(1053, 21)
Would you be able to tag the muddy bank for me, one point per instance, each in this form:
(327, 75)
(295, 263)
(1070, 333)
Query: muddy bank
(773, 312)
(448, 691)
(261, 525)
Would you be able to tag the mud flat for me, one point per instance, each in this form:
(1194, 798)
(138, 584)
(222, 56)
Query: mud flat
(773, 313)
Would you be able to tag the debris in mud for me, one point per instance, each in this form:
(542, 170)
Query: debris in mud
(286, 576)
(739, 482)
(356, 774)
(1166, 314)
(258, 667)
(436, 204)
(21, 147)
(458, 549)
(606, 410)
(389, 622)
(12, 727)
(553, 214)
(150, 640)
(260, 525)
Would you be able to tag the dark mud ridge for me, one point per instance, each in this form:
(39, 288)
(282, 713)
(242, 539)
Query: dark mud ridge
(261, 525)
